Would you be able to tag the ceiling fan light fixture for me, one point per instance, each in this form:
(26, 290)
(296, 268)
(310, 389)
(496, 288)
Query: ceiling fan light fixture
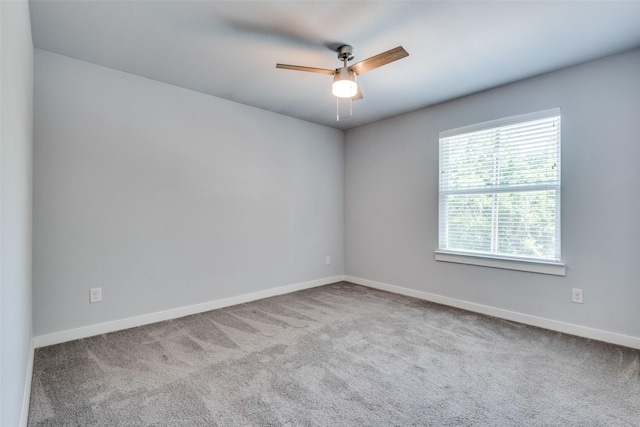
(344, 83)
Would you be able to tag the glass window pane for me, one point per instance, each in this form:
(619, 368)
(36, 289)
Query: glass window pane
(500, 187)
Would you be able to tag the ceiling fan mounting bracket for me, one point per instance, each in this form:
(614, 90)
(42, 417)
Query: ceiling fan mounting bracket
(345, 52)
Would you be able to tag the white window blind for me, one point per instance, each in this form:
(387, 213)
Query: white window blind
(500, 188)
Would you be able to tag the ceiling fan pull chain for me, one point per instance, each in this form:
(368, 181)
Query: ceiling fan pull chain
(337, 109)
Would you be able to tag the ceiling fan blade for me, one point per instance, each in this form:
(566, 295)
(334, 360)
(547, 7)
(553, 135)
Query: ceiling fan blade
(286, 33)
(309, 69)
(379, 60)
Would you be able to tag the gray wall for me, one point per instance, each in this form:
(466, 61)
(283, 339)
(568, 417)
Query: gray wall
(391, 193)
(166, 197)
(16, 124)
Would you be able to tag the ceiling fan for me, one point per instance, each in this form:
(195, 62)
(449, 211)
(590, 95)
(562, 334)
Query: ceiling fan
(344, 78)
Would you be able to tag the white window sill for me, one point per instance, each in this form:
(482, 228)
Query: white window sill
(543, 267)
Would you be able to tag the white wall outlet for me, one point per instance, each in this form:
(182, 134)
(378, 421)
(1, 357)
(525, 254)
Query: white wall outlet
(327, 260)
(576, 295)
(96, 295)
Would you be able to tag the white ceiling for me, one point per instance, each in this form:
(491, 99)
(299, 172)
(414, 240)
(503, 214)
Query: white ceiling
(229, 48)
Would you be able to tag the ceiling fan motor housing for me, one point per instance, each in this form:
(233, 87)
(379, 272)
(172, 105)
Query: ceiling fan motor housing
(345, 53)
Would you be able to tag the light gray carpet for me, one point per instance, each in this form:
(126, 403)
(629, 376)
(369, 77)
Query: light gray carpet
(337, 355)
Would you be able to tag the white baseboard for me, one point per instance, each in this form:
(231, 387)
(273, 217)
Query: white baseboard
(145, 319)
(26, 393)
(527, 319)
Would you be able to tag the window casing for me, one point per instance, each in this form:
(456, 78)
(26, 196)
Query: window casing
(499, 193)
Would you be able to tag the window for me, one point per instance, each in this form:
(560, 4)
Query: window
(499, 199)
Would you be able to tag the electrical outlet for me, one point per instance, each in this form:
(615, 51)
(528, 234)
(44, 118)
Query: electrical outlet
(96, 295)
(327, 260)
(576, 295)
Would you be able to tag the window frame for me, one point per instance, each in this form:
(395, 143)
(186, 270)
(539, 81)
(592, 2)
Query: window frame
(535, 265)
